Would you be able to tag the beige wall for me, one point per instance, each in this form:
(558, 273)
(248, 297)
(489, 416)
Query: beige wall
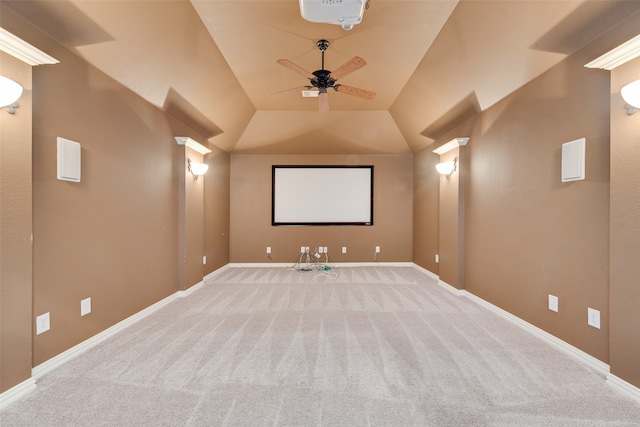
(252, 232)
(526, 234)
(113, 237)
(625, 231)
(426, 210)
(190, 224)
(216, 210)
(15, 230)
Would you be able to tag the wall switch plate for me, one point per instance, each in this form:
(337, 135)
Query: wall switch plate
(268, 249)
(593, 317)
(553, 303)
(204, 260)
(344, 249)
(437, 259)
(85, 306)
(377, 249)
(43, 323)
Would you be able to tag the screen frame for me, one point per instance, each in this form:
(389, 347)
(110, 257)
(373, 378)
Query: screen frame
(316, 223)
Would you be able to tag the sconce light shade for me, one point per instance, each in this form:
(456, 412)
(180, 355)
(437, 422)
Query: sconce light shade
(10, 91)
(199, 168)
(446, 168)
(631, 94)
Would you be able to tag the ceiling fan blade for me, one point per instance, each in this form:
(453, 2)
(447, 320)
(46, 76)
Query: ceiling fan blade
(348, 67)
(293, 67)
(323, 102)
(292, 90)
(350, 90)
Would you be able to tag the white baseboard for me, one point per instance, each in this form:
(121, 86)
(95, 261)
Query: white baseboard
(335, 264)
(215, 272)
(16, 392)
(62, 358)
(561, 345)
(623, 387)
(427, 272)
(189, 291)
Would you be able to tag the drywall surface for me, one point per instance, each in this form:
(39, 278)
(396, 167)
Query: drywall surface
(625, 231)
(252, 232)
(15, 231)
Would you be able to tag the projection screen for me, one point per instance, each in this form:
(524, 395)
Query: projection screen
(322, 195)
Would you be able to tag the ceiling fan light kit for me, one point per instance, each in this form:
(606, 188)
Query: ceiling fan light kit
(345, 13)
(323, 79)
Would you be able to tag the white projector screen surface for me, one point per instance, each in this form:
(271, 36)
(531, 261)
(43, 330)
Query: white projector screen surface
(322, 195)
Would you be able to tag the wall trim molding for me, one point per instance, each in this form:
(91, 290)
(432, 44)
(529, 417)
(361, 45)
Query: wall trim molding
(335, 264)
(185, 292)
(214, 273)
(556, 342)
(429, 273)
(45, 367)
(16, 392)
(623, 387)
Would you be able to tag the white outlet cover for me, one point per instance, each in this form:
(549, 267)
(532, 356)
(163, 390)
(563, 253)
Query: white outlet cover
(377, 249)
(268, 249)
(437, 258)
(593, 317)
(344, 249)
(204, 260)
(320, 249)
(43, 323)
(85, 306)
(553, 303)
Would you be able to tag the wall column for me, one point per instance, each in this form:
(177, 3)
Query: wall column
(190, 214)
(451, 216)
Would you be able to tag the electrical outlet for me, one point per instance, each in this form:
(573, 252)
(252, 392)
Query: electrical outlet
(301, 249)
(268, 249)
(593, 317)
(437, 259)
(344, 249)
(553, 303)
(43, 323)
(377, 249)
(204, 260)
(326, 251)
(306, 249)
(85, 306)
(321, 250)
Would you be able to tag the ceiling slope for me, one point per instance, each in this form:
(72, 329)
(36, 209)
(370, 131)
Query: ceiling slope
(432, 64)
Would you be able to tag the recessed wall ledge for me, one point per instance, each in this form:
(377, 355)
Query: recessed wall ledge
(185, 140)
(454, 143)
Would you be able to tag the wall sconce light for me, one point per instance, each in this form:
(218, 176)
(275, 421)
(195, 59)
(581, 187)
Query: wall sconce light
(446, 168)
(10, 91)
(631, 95)
(196, 168)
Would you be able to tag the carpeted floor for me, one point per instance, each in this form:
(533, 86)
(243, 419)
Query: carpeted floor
(378, 346)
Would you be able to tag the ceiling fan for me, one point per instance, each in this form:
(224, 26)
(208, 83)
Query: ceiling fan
(323, 79)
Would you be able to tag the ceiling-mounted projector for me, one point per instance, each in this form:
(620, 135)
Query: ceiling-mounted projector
(346, 13)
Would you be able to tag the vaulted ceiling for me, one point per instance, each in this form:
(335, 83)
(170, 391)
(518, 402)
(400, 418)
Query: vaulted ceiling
(432, 64)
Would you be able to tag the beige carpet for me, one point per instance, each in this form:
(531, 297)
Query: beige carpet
(379, 346)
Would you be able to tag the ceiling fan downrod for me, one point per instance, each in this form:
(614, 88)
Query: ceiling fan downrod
(322, 80)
